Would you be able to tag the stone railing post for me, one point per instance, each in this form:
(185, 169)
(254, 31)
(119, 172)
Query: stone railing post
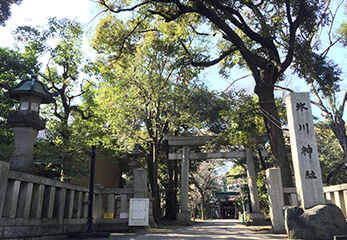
(140, 186)
(37, 198)
(276, 200)
(25, 198)
(48, 202)
(337, 194)
(97, 201)
(69, 209)
(123, 211)
(59, 204)
(4, 170)
(110, 204)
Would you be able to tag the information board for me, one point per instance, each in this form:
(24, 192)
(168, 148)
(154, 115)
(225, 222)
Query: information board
(139, 212)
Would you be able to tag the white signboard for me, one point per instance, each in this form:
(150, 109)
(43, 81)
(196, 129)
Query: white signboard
(139, 212)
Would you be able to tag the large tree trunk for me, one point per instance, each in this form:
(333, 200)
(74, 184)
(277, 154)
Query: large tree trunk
(274, 129)
(155, 189)
(152, 177)
(203, 207)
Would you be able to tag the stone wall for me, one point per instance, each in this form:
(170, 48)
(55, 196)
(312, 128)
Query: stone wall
(33, 206)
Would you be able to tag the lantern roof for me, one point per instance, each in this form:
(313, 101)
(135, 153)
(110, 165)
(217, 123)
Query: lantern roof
(31, 87)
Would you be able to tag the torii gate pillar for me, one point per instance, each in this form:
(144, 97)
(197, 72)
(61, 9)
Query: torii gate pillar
(255, 215)
(184, 215)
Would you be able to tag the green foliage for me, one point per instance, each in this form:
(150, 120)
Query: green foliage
(160, 85)
(149, 90)
(205, 183)
(225, 24)
(317, 70)
(342, 31)
(15, 67)
(324, 76)
(260, 35)
(262, 192)
(5, 10)
(237, 180)
(244, 118)
(60, 40)
(6, 152)
(330, 155)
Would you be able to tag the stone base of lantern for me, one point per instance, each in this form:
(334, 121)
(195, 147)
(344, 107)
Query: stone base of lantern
(22, 158)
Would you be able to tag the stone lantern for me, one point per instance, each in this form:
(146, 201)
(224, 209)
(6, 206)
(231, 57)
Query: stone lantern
(135, 163)
(136, 155)
(26, 122)
(139, 178)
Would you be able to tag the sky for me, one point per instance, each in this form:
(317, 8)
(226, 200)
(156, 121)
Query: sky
(36, 12)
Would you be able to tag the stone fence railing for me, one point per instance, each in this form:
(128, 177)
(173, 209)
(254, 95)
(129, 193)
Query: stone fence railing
(333, 194)
(32, 206)
(338, 195)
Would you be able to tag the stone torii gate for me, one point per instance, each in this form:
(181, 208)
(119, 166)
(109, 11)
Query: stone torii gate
(186, 142)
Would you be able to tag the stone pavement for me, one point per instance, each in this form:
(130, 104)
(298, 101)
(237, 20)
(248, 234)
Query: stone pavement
(206, 230)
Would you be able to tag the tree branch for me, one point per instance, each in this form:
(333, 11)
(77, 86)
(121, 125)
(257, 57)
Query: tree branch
(173, 16)
(81, 112)
(343, 102)
(320, 104)
(252, 59)
(56, 112)
(283, 88)
(293, 26)
(210, 34)
(213, 62)
(127, 36)
(243, 26)
(236, 81)
(104, 4)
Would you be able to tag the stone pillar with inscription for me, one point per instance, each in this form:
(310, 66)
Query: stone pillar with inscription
(308, 178)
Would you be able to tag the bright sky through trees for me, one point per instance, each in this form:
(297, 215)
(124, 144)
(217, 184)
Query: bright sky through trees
(36, 12)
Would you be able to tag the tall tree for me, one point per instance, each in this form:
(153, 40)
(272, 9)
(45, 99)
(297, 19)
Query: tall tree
(245, 124)
(323, 76)
(148, 92)
(208, 182)
(142, 92)
(60, 40)
(14, 67)
(330, 155)
(259, 35)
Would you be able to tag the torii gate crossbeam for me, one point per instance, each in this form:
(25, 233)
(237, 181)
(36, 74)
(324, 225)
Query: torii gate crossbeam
(215, 155)
(186, 155)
